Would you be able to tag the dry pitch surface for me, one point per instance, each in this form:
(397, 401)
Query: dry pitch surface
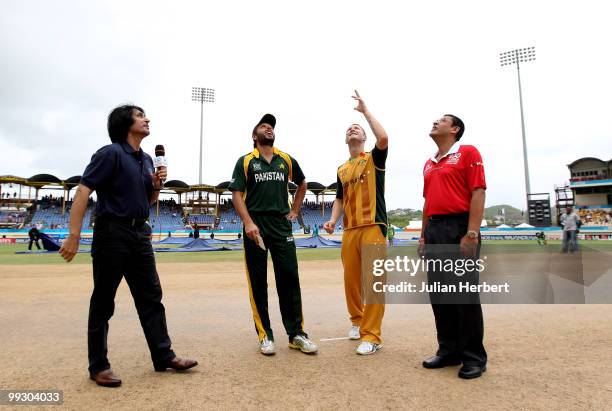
(540, 356)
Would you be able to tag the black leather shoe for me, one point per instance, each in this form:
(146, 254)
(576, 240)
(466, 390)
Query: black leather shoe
(440, 362)
(471, 371)
(178, 364)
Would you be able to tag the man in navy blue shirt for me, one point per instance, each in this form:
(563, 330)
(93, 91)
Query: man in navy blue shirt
(126, 185)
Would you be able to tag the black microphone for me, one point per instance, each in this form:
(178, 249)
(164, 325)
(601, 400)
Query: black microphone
(160, 159)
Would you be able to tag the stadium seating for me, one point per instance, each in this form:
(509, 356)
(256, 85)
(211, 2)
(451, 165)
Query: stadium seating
(12, 218)
(51, 216)
(171, 218)
(595, 216)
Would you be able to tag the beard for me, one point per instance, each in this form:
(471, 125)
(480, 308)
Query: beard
(262, 140)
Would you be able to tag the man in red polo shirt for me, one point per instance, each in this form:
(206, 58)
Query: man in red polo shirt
(454, 192)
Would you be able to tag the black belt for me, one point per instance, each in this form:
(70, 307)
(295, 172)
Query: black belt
(440, 217)
(129, 221)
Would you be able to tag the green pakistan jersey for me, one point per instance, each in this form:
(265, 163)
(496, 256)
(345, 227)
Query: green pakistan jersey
(265, 185)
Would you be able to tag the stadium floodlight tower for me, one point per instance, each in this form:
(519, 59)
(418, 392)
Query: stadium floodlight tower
(202, 95)
(516, 57)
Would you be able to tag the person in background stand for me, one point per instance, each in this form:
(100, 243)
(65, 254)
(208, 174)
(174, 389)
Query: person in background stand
(390, 235)
(34, 235)
(570, 223)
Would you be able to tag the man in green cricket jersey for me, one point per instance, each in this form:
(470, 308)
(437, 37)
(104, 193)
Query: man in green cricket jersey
(260, 194)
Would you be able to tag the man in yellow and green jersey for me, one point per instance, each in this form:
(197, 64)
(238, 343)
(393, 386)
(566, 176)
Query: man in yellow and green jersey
(360, 195)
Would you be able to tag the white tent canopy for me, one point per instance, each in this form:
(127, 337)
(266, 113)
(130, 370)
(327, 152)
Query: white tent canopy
(415, 225)
(524, 225)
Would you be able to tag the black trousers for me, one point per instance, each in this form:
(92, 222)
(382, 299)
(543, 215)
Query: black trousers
(459, 325)
(120, 249)
(278, 238)
(33, 241)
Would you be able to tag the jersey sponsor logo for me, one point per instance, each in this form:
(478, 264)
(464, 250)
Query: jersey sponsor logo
(269, 176)
(454, 158)
(290, 239)
(256, 167)
(355, 180)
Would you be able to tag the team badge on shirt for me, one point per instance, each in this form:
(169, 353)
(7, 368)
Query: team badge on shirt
(454, 158)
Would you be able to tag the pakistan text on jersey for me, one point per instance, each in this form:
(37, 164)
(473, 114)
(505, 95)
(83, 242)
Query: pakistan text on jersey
(269, 176)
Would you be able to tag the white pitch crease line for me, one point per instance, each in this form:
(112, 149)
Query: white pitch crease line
(334, 339)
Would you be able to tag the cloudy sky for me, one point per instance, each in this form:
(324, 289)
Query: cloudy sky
(66, 64)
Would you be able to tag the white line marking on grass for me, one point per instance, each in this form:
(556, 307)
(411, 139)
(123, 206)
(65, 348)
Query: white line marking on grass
(334, 339)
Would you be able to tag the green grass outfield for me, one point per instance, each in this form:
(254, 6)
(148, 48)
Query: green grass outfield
(8, 256)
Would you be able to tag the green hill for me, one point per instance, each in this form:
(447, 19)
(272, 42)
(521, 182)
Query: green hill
(402, 216)
(512, 215)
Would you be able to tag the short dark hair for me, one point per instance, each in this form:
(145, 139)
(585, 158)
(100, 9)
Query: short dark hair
(119, 122)
(457, 122)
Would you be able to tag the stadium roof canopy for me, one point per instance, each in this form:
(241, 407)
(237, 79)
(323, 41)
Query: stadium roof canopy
(580, 160)
(222, 187)
(41, 180)
(12, 179)
(314, 187)
(72, 182)
(177, 186)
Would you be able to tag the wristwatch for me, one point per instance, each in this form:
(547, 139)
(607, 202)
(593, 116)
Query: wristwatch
(472, 234)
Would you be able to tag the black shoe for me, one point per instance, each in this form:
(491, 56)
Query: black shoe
(440, 362)
(471, 371)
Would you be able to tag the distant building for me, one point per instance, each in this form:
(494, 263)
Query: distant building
(591, 186)
(591, 181)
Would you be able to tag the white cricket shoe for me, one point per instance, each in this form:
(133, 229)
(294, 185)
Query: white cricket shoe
(367, 348)
(303, 344)
(267, 347)
(353, 333)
